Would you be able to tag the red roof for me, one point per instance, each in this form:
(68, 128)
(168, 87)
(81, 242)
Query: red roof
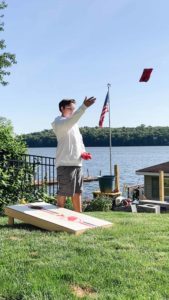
(155, 169)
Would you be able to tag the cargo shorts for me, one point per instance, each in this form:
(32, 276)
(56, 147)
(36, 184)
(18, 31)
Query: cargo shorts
(70, 180)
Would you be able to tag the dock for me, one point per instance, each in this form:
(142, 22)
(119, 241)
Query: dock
(55, 182)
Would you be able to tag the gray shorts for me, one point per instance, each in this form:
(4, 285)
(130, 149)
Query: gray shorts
(70, 180)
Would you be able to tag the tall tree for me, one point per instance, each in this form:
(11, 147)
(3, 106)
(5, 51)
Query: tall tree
(6, 59)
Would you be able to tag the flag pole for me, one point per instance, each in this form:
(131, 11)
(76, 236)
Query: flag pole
(108, 86)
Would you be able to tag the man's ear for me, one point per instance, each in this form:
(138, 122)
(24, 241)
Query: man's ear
(61, 109)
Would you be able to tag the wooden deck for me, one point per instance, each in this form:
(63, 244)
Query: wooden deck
(53, 182)
(155, 202)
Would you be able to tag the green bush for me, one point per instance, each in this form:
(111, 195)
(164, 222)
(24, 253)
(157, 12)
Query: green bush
(101, 203)
(68, 203)
(15, 176)
(45, 197)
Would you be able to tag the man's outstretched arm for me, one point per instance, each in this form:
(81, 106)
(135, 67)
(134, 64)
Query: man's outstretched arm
(66, 123)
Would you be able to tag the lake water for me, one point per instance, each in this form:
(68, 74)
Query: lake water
(129, 159)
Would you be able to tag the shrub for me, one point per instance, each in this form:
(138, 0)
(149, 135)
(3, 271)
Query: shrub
(15, 176)
(68, 203)
(101, 203)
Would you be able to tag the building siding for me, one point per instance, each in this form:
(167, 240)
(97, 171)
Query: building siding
(148, 187)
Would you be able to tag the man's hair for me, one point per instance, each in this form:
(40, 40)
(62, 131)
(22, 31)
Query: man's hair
(65, 102)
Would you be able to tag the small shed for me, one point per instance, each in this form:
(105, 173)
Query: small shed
(151, 180)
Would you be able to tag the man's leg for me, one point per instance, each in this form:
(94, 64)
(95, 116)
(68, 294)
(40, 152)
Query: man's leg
(77, 204)
(61, 200)
(61, 175)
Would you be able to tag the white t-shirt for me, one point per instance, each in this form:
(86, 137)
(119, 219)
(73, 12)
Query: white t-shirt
(70, 143)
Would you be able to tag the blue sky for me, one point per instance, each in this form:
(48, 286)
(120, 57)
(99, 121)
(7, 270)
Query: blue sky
(73, 48)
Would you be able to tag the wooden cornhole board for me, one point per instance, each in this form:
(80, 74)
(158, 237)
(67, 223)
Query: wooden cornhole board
(51, 217)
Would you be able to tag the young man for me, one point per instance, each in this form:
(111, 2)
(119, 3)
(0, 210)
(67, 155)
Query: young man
(69, 150)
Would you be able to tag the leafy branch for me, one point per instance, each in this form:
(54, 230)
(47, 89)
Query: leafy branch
(6, 59)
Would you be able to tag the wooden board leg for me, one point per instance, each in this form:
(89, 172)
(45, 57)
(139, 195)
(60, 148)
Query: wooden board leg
(10, 221)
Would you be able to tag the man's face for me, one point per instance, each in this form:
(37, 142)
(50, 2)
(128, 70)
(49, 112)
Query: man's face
(68, 110)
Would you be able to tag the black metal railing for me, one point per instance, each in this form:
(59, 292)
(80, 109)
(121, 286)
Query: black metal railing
(42, 174)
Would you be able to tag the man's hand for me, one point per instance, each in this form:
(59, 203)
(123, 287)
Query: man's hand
(86, 155)
(89, 101)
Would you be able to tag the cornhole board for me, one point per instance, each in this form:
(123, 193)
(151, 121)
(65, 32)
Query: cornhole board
(51, 217)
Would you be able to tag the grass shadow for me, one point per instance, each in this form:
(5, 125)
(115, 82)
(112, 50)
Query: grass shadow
(23, 226)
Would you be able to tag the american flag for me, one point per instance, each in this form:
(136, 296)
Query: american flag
(105, 109)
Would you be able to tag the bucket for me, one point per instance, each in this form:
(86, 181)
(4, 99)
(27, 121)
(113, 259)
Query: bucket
(106, 183)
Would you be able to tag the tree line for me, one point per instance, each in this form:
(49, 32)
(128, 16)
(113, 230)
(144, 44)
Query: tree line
(99, 137)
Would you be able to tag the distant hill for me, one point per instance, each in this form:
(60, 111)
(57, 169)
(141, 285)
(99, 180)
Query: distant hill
(94, 136)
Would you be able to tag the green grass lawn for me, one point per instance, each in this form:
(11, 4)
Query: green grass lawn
(128, 261)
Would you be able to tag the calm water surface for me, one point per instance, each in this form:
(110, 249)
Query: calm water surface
(129, 160)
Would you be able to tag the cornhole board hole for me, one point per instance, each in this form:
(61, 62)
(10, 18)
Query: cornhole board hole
(51, 217)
